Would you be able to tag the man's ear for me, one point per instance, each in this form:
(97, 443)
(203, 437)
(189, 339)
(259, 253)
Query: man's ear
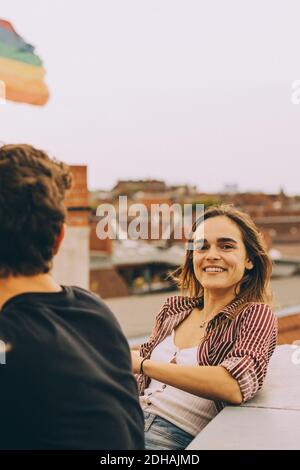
(59, 239)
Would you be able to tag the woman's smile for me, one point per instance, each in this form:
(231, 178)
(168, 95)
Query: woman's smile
(214, 270)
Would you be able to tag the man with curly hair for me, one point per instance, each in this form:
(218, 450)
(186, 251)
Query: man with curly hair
(66, 382)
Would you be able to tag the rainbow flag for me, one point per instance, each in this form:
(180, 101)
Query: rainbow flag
(21, 70)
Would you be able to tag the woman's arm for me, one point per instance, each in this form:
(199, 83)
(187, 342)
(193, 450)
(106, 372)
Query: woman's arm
(241, 373)
(211, 382)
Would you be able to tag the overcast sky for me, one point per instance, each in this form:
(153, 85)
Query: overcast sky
(189, 91)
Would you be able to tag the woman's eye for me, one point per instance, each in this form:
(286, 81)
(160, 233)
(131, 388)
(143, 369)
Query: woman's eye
(199, 246)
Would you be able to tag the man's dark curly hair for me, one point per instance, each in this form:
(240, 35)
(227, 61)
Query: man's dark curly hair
(32, 212)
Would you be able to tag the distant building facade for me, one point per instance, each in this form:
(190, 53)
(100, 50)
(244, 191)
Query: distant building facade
(71, 264)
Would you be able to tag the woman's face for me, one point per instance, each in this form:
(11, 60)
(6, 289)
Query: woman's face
(219, 256)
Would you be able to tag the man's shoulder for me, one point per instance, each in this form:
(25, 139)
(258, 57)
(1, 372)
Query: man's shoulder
(24, 314)
(80, 292)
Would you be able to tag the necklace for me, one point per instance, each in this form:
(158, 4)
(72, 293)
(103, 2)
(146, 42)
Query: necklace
(205, 322)
(202, 325)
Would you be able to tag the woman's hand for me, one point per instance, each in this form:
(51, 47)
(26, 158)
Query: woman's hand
(136, 361)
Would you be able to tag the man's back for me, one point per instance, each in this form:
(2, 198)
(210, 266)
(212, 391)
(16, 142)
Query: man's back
(67, 382)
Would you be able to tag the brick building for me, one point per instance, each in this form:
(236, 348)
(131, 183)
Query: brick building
(124, 187)
(289, 329)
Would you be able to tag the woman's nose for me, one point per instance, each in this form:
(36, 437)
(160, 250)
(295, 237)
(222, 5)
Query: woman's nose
(212, 253)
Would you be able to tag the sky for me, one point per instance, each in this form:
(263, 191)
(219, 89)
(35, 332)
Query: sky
(188, 91)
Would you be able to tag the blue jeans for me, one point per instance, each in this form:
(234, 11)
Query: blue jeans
(160, 434)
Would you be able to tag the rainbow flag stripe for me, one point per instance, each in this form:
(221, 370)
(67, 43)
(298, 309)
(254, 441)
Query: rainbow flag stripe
(21, 69)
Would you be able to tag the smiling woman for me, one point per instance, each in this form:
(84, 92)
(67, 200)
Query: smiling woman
(212, 345)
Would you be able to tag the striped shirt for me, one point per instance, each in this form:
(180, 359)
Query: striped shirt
(185, 410)
(241, 338)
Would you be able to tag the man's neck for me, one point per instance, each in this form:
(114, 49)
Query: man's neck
(12, 286)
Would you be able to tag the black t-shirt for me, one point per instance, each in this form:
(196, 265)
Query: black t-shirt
(67, 381)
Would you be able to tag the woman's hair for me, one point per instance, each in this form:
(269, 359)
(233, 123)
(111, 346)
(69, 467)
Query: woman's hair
(32, 212)
(254, 286)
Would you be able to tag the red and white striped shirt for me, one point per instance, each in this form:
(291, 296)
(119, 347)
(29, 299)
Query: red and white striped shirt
(242, 343)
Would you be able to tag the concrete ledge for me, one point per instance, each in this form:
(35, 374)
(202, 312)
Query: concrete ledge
(250, 428)
(282, 385)
(271, 420)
